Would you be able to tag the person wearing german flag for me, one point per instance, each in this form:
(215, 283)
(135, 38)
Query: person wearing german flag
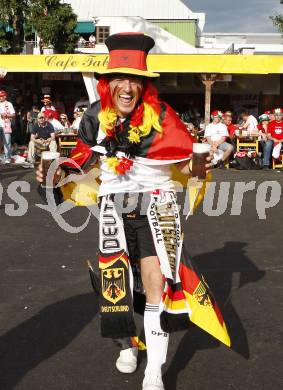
(136, 139)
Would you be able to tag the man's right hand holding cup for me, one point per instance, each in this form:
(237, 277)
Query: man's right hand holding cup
(47, 158)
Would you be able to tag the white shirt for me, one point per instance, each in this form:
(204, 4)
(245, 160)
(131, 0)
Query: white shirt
(139, 178)
(76, 123)
(216, 131)
(6, 108)
(56, 124)
(49, 108)
(144, 175)
(252, 123)
(92, 39)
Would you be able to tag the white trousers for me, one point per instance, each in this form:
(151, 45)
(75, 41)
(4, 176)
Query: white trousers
(33, 145)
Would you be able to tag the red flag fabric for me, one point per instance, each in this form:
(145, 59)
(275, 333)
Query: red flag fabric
(175, 142)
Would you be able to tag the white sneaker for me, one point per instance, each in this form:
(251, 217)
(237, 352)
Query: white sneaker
(127, 361)
(28, 165)
(152, 382)
(7, 161)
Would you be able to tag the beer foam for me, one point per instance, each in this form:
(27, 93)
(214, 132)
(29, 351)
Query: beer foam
(201, 148)
(50, 155)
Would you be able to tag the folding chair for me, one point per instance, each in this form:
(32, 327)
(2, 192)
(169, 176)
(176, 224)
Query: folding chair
(66, 144)
(278, 164)
(247, 144)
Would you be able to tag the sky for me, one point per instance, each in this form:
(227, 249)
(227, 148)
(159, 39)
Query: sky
(250, 16)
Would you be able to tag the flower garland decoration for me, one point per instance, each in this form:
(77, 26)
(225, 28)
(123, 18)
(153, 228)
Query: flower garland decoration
(143, 120)
(119, 165)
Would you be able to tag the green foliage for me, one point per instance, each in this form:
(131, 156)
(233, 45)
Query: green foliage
(4, 42)
(278, 22)
(54, 23)
(12, 14)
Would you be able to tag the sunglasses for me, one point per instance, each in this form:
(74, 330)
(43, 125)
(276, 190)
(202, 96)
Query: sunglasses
(40, 117)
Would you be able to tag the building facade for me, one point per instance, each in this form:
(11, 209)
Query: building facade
(240, 43)
(174, 27)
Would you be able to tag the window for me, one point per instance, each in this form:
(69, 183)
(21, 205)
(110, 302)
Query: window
(102, 33)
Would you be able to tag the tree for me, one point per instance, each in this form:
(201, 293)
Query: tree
(4, 41)
(278, 22)
(55, 24)
(12, 16)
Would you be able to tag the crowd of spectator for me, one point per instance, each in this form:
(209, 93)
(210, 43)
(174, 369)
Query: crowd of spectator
(222, 134)
(89, 42)
(39, 125)
(20, 126)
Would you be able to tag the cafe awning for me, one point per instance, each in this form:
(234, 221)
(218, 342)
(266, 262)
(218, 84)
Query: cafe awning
(162, 63)
(85, 27)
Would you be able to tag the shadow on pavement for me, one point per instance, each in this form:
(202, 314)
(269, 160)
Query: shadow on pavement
(17, 171)
(218, 268)
(52, 329)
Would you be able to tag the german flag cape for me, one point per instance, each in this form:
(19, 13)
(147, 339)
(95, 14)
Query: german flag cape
(187, 296)
(173, 145)
(193, 296)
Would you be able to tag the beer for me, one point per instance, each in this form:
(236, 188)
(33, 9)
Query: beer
(47, 159)
(200, 154)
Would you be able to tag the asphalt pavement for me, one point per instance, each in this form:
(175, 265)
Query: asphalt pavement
(49, 326)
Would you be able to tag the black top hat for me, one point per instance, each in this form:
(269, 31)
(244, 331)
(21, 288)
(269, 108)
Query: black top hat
(128, 53)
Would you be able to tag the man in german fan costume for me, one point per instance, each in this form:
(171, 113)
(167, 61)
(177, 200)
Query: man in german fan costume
(136, 139)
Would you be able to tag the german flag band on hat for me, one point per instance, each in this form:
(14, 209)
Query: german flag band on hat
(128, 53)
(263, 117)
(217, 114)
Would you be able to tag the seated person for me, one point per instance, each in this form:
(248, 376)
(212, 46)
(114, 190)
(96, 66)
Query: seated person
(250, 124)
(228, 122)
(231, 128)
(92, 40)
(65, 121)
(42, 137)
(216, 134)
(81, 41)
(265, 143)
(262, 127)
(57, 125)
(78, 113)
(275, 132)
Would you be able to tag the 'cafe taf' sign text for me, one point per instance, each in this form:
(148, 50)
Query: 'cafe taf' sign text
(86, 62)
(54, 63)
